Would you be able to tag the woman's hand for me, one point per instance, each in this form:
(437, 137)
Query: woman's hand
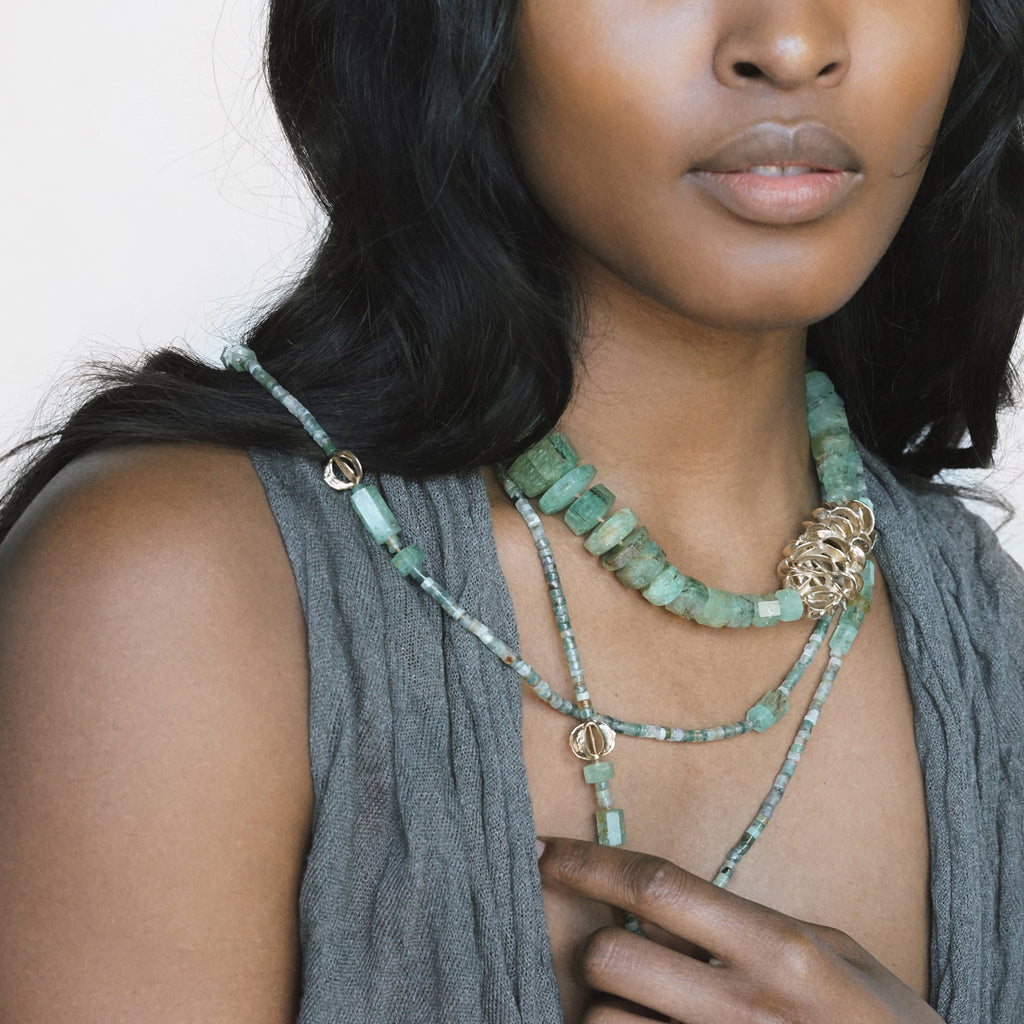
(716, 958)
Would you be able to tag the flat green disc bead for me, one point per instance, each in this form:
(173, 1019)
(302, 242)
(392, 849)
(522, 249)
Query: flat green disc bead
(564, 491)
(644, 567)
(622, 554)
(725, 609)
(540, 466)
(690, 600)
(374, 512)
(666, 586)
(817, 387)
(599, 771)
(611, 532)
(589, 509)
(611, 826)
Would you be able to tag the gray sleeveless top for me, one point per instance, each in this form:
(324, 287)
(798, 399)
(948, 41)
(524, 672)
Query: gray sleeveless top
(421, 897)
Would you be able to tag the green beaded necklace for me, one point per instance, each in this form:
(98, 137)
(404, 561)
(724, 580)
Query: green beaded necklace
(594, 737)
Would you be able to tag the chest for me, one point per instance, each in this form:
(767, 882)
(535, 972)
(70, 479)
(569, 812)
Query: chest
(847, 847)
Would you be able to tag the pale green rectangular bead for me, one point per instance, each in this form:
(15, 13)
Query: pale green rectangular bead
(374, 512)
(611, 826)
(599, 771)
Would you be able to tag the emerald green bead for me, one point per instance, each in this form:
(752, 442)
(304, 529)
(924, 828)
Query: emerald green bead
(768, 710)
(817, 387)
(830, 444)
(611, 532)
(589, 509)
(409, 561)
(791, 605)
(767, 610)
(566, 489)
(540, 466)
(599, 771)
(611, 826)
(374, 512)
(644, 568)
(827, 417)
(622, 554)
(666, 587)
(725, 609)
(691, 599)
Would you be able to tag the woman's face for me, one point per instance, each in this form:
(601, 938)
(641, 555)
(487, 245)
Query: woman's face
(744, 163)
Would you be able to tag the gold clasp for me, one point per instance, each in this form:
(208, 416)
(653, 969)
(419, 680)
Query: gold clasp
(343, 471)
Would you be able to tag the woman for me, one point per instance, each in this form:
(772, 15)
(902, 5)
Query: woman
(221, 703)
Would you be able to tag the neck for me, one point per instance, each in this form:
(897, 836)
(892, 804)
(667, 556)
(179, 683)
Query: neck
(702, 431)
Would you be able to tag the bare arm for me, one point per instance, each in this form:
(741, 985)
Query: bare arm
(154, 776)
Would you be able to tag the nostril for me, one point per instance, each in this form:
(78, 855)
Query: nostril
(827, 69)
(745, 69)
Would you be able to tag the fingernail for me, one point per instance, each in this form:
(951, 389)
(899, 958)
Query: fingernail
(540, 848)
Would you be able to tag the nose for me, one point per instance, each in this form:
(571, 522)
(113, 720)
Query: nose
(785, 43)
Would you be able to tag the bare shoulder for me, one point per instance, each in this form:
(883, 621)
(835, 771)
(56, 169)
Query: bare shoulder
(154, 774)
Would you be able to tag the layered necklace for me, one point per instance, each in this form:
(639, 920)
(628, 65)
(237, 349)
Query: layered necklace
(825, 576)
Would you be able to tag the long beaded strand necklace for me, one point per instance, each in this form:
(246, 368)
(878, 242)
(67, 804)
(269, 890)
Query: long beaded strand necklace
(827, 566)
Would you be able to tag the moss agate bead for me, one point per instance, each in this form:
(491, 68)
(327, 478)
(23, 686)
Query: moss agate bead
(540, 466)
(611, 532)
(622, 554)
(371, 508)
(644, 567)
(611, 826)
(665, 587)
(589, 509)
(564, 491)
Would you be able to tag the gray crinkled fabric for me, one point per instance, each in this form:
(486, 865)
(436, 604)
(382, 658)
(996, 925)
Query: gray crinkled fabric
(421, 897)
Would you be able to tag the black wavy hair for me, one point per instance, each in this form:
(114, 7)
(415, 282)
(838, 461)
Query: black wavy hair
(435, 329)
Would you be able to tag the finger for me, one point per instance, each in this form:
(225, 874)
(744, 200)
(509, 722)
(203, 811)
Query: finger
(665, 983)
(610, 1010)
(729, 927)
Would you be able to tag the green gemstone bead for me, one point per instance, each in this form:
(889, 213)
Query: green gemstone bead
(564, 491)
(409, 561)
(622, 554)
(817, 388)
(611, 532)
(666, 587)
(767, 610)
(791, 605)
(611, 826)
(691, 599)
(827, 418)
(589, 509)
(540, 466)
(830, 444)
(768, 710)
(644, 568)
(599, 771)
(374, 512)
(725, 609)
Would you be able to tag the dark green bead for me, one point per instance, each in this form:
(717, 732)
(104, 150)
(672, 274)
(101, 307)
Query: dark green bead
(540, 466)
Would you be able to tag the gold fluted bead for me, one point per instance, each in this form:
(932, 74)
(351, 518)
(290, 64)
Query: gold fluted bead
(825, 564)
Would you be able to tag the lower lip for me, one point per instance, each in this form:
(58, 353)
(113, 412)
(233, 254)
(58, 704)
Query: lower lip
(784, 199)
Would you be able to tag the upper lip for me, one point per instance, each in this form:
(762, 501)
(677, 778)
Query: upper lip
(770, 144)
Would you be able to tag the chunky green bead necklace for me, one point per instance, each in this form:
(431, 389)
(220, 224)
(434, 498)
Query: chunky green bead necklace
(593, 738)
(820, 572)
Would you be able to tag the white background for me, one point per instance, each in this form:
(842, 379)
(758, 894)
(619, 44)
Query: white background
(148, 198)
